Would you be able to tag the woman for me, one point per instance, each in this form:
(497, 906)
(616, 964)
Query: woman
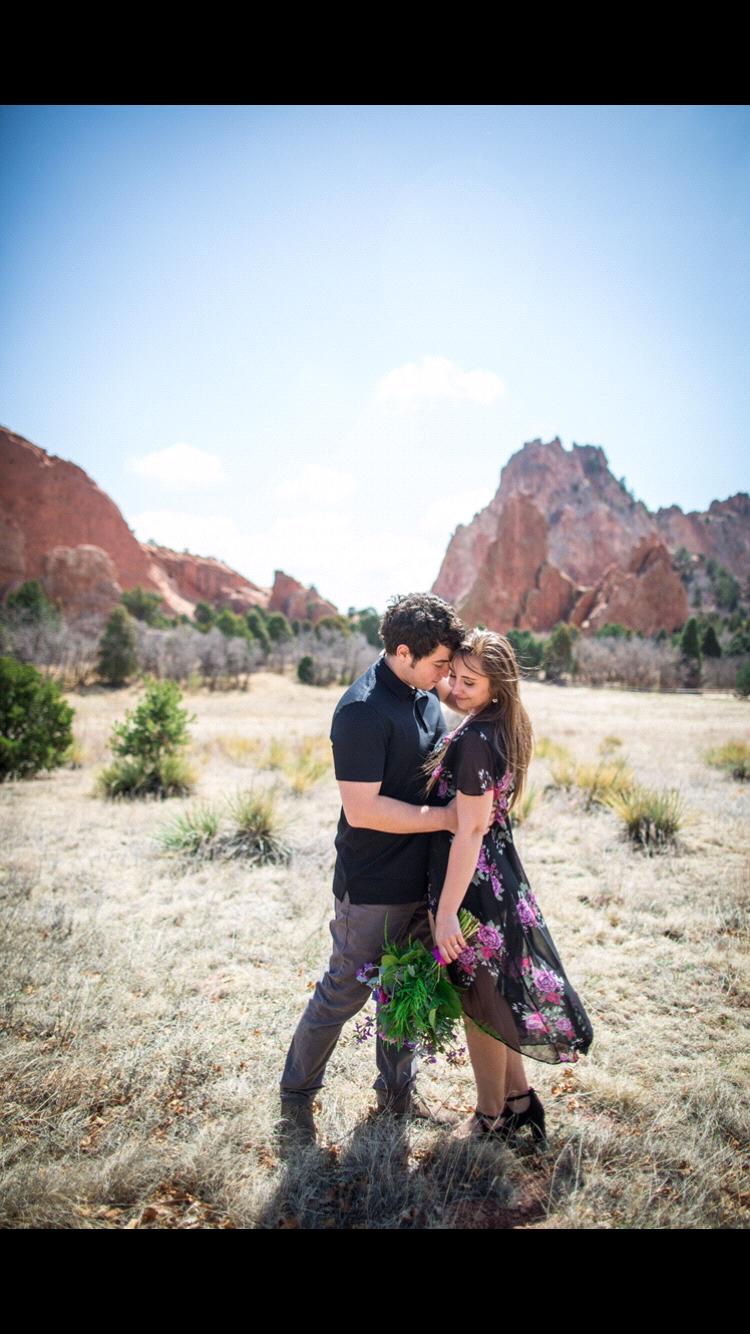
(516, 997)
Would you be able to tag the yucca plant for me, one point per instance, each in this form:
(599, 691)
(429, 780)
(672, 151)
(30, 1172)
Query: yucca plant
(597, 781)
(193, 832)
(652, 818)
(733, 757)
(258, 828)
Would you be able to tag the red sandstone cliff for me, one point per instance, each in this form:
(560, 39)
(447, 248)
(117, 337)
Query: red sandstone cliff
(563, 540)
(58, 526)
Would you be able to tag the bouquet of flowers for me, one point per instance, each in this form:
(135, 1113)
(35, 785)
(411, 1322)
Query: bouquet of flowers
(418, 1005)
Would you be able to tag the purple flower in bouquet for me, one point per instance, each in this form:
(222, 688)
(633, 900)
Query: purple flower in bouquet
(364, 972)
(468, 958)
(437, 955)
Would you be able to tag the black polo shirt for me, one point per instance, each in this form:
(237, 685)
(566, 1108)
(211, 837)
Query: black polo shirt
(382, 732)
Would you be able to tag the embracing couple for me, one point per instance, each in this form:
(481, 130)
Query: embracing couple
(424, 831)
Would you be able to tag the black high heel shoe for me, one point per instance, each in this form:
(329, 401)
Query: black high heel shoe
(510, 1122)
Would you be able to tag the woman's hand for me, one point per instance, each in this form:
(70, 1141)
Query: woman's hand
(448, 937)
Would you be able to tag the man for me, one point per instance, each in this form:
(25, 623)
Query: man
(383, 729)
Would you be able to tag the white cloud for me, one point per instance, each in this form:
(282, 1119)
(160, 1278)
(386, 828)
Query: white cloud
(437, 378)
(443, 515)
(179, 466)
(315, 485)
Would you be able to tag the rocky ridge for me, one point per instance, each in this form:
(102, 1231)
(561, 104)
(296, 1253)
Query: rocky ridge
(563, 540)
(58, 526)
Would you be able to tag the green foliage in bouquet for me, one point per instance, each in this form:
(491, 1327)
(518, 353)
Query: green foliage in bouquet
(418, 1003)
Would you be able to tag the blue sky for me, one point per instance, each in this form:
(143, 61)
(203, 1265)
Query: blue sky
(310, 337)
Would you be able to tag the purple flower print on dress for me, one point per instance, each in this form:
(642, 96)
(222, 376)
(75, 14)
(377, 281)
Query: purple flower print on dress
(496, 882)
(442, 788)
(565, 1027)
(492, 939)
(483, 865)
(536, 1022)
(549, 984)
(526, 913)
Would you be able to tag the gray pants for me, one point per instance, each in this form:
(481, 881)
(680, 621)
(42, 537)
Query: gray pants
(357, 930)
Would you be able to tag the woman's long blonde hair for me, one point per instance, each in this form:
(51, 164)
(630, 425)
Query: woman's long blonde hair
(492, 655)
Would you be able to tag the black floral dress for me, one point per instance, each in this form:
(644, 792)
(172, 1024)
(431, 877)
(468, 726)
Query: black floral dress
(513, 983)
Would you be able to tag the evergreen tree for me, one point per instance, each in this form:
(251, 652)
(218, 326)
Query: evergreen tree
(30, 604)
(710, 646)
(278, 627)
(118, 656)
(35, 721)
(145, 606)
(558, 653)
(257, 627)
(689, 642)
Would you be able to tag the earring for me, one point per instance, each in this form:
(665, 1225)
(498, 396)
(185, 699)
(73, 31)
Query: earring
(494, 699)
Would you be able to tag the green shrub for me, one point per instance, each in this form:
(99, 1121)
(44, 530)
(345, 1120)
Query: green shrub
(30, 605)
(145, 606)
(118, 657)
(35, 722)
(306, 670)
(147, 744)
(558, 653)
(652, 819)
(528, 650)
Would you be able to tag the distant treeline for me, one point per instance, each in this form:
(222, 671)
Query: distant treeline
(220, 649)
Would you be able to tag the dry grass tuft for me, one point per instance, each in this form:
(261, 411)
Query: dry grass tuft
(733, 757)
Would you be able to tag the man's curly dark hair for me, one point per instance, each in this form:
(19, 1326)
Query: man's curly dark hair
(422, 621)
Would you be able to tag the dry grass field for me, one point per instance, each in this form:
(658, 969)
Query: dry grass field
(148, 1002)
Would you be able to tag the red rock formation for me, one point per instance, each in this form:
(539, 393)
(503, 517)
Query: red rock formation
(647, 596)
(194, 579)
(297, 602)
(723, 532)
(58, 526)
(562, 539)
(82, 580)
(48, 502)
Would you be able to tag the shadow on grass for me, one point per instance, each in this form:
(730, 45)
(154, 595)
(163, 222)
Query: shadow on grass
(389, 1175)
